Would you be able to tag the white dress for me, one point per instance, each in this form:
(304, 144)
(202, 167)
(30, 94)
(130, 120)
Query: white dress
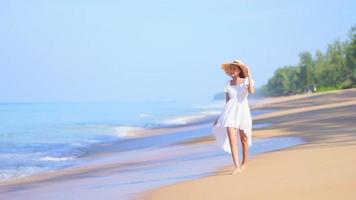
(235, 113)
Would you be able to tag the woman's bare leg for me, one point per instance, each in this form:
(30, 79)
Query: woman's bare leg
(234, 149)
(244, 142)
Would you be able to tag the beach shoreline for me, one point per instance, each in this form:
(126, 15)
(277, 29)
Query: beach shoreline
(275, 121)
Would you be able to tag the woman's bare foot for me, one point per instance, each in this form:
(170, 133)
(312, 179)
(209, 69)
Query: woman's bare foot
(244, 166)
(237, 169)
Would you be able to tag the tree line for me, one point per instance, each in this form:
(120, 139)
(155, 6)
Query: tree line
(334, 69)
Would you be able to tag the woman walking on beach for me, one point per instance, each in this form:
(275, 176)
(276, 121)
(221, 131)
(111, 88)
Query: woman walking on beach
(235, 116)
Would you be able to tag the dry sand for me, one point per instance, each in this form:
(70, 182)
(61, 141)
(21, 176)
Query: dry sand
(323, 168)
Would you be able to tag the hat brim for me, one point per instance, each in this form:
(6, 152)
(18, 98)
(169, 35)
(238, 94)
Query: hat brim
(226, 67)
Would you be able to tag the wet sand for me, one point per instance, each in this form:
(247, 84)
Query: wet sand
(322, 168)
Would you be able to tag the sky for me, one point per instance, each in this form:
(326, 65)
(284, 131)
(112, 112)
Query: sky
(85, 50)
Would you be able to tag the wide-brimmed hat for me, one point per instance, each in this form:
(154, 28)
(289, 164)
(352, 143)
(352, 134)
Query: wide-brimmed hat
(239, 63)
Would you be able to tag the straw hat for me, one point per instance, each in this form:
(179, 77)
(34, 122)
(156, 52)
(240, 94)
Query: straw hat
(238, 63)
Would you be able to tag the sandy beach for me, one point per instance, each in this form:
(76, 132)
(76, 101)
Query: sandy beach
(322, 168)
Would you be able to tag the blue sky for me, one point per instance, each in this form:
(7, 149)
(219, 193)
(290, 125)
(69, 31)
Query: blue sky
(153, 50)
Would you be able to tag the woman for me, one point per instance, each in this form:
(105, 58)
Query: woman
(235, 116)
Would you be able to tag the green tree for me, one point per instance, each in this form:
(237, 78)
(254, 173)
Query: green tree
(307, 69)
(351, 57)
(334, 69)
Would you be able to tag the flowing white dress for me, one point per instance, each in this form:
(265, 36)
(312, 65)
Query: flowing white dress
(235, 113)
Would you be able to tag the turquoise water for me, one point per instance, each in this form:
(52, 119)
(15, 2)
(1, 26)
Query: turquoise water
(36, 137)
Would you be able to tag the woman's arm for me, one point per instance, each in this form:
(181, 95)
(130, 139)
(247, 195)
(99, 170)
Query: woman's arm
(251, 86)
(227, 98)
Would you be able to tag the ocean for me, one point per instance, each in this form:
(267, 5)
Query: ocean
(38, 137)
